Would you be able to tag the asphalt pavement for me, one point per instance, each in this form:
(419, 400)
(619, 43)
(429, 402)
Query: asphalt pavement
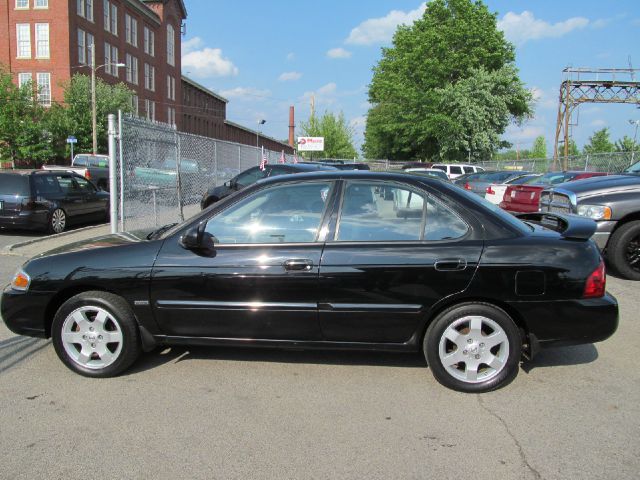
(250, 413)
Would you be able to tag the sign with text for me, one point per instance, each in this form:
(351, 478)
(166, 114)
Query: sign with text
(310, 144)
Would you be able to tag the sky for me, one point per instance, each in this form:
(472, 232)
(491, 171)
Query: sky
(264, 56)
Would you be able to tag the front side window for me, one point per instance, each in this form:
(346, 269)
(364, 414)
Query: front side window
(280, 214)
(250, 177)
(84, 185)
(23, 34)
(44, 89)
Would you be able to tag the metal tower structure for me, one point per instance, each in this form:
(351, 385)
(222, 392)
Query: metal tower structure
(587, 85)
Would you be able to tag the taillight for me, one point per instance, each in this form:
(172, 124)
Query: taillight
(596, 283)
(490, 190)
(87, 174)
(467, 186)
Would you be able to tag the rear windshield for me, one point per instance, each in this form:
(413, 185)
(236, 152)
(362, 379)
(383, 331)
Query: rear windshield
(12, 184)
(551, 178)
(496, 176)
(523, 179)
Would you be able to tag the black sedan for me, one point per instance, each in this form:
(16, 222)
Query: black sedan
(319, 261)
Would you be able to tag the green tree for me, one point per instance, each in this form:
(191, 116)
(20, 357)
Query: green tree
(23, 132)
(338, 135)
(73, 117)
(446, 88)
(539, 149)
(599, 142)
(574, 151)
(626, 144)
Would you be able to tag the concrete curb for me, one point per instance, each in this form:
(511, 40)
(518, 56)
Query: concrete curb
(10, 248)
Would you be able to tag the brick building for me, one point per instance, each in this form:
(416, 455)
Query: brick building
(48, 41)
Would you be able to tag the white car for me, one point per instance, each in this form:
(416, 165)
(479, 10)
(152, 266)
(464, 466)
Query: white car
(495, 191)
(454, 170)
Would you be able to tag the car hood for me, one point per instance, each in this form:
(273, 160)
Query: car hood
(112, 240)
(604, 184)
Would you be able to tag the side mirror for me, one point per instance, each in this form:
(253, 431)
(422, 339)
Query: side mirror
(197, 239)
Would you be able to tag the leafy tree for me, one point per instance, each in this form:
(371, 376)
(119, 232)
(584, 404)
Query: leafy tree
(574, 151)
(539, 149)
(73, 117)
(447, 87)
(338, 135)
(23, 133)
(626, 144)
(599, 142)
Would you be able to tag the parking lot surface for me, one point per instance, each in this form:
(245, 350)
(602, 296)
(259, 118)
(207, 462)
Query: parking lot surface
(250, 413)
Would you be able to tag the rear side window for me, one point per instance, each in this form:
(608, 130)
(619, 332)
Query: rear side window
(80, 161)
(468, 169)
(456, 170)
(46, 184)
(11, 184)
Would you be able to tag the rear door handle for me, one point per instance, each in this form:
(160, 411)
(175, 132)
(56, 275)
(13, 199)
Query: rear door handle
(450, 264)
(298, 265)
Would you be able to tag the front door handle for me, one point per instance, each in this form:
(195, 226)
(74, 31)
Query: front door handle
(450, 264)
(298, 265)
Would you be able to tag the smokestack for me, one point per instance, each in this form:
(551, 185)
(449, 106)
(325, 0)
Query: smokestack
(291, 127)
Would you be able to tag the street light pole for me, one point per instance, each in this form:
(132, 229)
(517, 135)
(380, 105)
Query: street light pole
(94, 121)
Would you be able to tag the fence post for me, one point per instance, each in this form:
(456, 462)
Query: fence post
(178, 174)
(121, 171)
(215, 162)
(113, 186)
(586, 163)
(239, 158)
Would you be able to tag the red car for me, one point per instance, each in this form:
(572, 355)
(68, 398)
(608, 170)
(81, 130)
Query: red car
(525, 198)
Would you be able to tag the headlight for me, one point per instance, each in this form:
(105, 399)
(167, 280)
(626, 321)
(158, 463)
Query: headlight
(597, 212)
(21, 281)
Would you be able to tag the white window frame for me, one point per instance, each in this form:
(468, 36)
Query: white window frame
(114, 19)
(44, 98)
(110, 16)
(107, 57)
(22, 5)
(171, 45)
(149, 42)
(149, 77)
(150, 109)
(43, 4)
(135, 102)
(114, 60)
(131, 30)
(85, 9)
(43, 49)
(24, 44)
(82, 47)
(132, 69)
(24, 78)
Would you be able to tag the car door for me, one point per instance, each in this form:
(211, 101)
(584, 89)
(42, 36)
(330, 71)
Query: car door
(71, 198)
(93, 204)
(261, 280)
(389, 261)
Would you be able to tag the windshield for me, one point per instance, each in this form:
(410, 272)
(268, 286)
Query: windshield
(635, 168)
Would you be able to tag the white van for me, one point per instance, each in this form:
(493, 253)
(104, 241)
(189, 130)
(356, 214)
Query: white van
(454, 170)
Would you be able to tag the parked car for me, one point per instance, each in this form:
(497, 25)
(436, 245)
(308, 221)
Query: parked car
(429, 172)
(454, 170)
(614, 203)
(49, 200)
(409, 165)
(347, 165)
(495, 192)
(525, 198)
(253, 174)
(317, 260)
(478, 183)
(90, 166)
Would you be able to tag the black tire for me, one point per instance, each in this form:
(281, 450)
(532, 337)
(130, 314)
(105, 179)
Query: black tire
(459, 376)
(623, 250)
(82, 328)
(57, 221)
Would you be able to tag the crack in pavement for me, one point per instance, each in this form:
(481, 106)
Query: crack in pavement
(523, 456)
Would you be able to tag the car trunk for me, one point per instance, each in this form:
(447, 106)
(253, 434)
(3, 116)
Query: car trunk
(14, 190)
(522, 198)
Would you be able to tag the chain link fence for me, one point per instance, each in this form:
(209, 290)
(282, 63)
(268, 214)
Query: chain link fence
(613, 162)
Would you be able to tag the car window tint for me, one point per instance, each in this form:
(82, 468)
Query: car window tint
(286, 213)
(277, 170)
(373, 212)
(468, 169)
(46, 184)
(84, 185)
(440, 167)
(250, 177)
(521, 180)
(66, 184)
(80, 161)
(455, 170)
(442, 223)
(14, 185)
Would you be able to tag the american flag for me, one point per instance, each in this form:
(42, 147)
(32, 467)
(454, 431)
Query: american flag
(282, 159)
(263, 162)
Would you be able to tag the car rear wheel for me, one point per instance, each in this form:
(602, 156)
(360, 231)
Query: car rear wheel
(473, 347)
(95, 334)
(623, 250)
(57, 221)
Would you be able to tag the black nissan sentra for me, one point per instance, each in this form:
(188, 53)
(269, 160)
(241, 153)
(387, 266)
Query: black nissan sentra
(320, 260)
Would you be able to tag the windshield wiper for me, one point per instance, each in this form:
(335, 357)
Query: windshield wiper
(161, 230)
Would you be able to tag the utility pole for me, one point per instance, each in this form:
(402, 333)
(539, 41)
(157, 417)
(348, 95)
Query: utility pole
(94, 121)
(635, 135)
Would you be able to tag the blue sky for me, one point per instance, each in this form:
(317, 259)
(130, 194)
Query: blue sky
(266, 55)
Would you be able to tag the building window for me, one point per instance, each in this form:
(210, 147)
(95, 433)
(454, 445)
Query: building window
(85, 44)
(110, 59)
(44, 89)
(22, 4)
(110, 17)
(150, 108)
(23, 79)
(131, 30)
(42, 40)
(171, 46)
(41, 4)
(132, 69)
(134, 104)
(171, 87)
(171, 116)
(23, 32)
(149, 42)
(149, 77)
(85, 9)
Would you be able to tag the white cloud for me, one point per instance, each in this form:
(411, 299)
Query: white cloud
(191, 45)
(338, 53)
(358, 123)
(328, 89)
(291, 56)
(598, 123)
(289, 76)
(519, 28)
(245, 93)
(381, 30)
(207, 62)
(543, 99)
(325, 95)
(516, 134)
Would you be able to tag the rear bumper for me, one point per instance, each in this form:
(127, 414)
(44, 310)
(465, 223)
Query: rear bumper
(30, 220)
(24, 312)
(570, 322)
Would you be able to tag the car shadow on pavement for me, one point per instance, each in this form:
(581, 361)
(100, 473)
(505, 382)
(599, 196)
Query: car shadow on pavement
(18, 349)
(177, 354)
(552, 357)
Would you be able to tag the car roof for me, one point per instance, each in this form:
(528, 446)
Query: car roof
(33, 171)
(306, 166)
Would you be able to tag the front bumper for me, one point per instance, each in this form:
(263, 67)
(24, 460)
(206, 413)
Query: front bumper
(570, 322)
(24, 312)
(603, 232)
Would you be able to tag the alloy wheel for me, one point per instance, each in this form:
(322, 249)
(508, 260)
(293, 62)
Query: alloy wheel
(58, 221)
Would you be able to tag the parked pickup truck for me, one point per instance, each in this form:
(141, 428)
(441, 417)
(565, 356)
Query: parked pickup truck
(163, 180)
(92, 167)
(614, 203)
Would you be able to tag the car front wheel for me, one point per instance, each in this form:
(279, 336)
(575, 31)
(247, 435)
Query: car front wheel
(473, 347)
(95, 334)
(623, 250)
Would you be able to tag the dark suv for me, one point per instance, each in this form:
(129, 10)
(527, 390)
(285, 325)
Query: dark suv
(253, 174)
(49, 200)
